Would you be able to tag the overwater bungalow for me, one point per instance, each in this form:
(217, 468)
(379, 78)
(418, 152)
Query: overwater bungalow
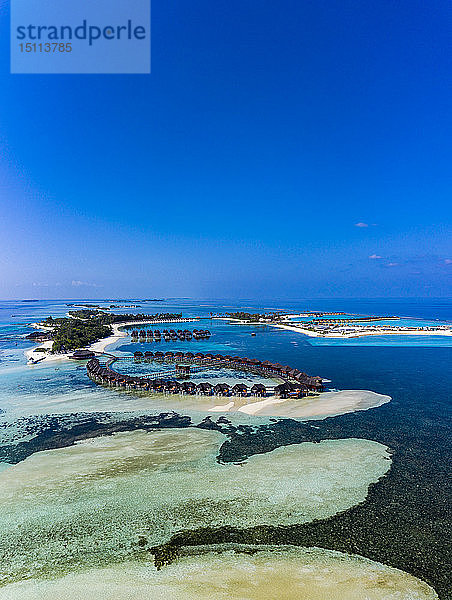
(174, 387)
(183, 370)
(158, 385)
(283, 390)
(221, 389)
(315, 384)
(296, 383)
(188, 387)
(255, 362)
(298, 390)
(240, 389)
(204, 388)
(82, 355)
(259, 389)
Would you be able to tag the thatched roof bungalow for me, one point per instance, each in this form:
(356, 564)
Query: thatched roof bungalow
(188, 387)
(240, 389)
(174, 387)
(204, 388)
(221, 389)
(298, 390)
(283, 390)
(259, 389)
(82, 355)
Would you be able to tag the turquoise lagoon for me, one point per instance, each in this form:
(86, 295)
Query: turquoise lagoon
(71, 518)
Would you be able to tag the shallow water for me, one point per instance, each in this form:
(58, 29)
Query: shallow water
(87, 504)
(76, 534)
(277, 574)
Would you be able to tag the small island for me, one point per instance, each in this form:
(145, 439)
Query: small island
(86, 327)
(347, 326)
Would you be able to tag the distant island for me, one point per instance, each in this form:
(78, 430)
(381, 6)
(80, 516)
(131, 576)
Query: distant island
(345, 327)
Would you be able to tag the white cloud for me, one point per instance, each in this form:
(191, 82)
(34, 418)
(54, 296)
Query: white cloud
(40, 284)
(448, 261)
(375, 256)
(78, 283)
(392, 264)
(360, 224)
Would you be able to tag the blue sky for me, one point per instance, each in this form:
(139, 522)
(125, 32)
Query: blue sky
(290, 149)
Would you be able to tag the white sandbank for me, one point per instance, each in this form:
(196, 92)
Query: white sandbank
(326, 404)
(86, 505)
(286, 573)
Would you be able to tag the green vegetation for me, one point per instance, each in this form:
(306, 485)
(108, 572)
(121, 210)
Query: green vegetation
(164, 555)
(86, 326)
(108, 319)
(70, 334)
(84, 305)
(40, 350)
(256, 317)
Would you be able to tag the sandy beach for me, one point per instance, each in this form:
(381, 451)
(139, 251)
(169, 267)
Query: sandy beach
(34, 357)
(99, 347)
(326, 404)
(310, 333)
